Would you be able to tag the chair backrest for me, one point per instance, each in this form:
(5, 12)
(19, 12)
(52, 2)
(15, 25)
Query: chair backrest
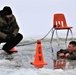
(59, 20)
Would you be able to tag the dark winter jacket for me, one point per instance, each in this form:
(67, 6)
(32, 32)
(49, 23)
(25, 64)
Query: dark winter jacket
(72, 55)
(10, 27)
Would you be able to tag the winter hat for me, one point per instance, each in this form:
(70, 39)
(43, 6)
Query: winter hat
(7, 11)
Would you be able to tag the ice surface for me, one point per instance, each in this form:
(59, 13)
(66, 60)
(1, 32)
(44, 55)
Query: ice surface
(20, 65)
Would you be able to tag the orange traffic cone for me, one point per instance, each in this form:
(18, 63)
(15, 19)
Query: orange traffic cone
(39, 61)
(14, 50)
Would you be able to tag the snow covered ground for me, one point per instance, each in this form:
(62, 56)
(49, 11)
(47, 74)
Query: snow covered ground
(20, 65)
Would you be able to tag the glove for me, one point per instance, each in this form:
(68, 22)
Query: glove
(10, 37)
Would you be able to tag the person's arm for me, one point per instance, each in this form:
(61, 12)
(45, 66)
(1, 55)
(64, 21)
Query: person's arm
(61, 53)
(72, 56)
(15, 27)
(2, 35)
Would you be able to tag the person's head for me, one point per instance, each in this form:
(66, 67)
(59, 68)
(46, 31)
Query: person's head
(7, 12)
(71, 46)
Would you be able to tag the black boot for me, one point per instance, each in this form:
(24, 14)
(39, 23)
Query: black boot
(9, 52)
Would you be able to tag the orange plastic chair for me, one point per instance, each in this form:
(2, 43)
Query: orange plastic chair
(59, 64)
(59, 23)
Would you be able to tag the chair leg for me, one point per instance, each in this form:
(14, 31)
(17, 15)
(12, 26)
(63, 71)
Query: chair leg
(71, 34)
(67, 36)
(52, 37)
(57, 37)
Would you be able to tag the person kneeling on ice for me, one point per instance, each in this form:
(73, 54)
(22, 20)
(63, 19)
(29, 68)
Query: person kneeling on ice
(9, 30)
(69, 53)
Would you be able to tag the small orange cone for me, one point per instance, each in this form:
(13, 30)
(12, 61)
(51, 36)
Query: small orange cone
(14, 50)
(39, 61)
